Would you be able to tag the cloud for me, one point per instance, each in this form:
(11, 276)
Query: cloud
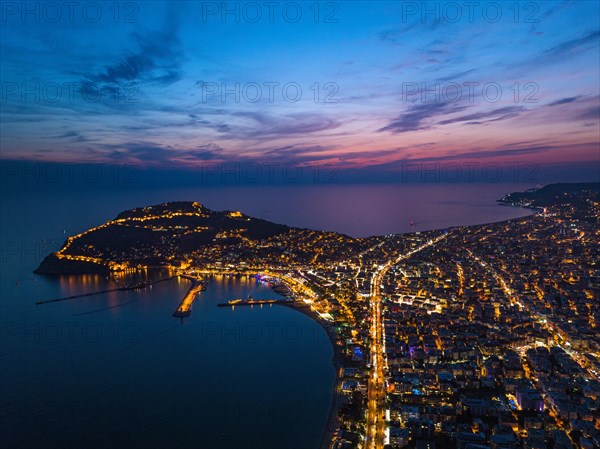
(287, 125)
(591, 113)
(496, 152)
(297, 154)
(457, 75)
(493, 115)
(157, 59)
(71, 136)
(416, 117)
(483, 154)
(578, 108)
(150, 154)
(564, 101)
(572, 45)
(65, 135)
(558, 54)
(412, 23)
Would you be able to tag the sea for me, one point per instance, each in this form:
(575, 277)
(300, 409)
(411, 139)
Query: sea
(117, 370)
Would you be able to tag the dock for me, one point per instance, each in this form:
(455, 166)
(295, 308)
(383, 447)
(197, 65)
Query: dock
(252, 302)
(185, 308)
(136, 286)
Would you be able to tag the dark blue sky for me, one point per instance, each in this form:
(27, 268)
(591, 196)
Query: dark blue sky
(361, 85)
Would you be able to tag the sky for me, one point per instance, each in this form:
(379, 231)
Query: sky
(368, 88)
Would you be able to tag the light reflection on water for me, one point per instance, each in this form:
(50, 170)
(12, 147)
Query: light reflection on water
(134, 376)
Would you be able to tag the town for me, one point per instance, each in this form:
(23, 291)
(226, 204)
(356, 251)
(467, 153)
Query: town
(471, 337)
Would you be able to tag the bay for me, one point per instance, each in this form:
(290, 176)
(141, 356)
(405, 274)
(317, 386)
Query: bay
(117, 370)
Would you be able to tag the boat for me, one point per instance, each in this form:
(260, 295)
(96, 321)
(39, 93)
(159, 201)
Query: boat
(249, 302)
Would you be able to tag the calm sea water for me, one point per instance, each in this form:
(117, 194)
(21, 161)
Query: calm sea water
(117, 370)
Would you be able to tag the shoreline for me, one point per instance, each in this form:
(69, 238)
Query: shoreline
(337, 359)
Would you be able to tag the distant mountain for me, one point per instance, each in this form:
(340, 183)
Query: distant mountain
(581, 196)
(550, 194)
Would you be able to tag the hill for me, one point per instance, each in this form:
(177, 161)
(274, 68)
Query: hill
(177, 233)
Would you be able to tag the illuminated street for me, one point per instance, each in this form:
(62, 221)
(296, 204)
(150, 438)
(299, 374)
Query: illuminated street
(376, 426)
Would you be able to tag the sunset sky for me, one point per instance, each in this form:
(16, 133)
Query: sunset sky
(143, 83)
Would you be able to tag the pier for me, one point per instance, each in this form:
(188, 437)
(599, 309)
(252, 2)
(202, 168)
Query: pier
(253, 302)
(185, 308)
(136, 286)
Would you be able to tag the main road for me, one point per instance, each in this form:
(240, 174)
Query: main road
(376, 394)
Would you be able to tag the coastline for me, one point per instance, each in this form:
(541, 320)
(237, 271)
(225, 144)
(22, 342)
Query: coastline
(531, 212)
(337, 359)
(67, 271)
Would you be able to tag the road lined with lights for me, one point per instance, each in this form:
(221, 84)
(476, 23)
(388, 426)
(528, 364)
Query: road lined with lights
(376, 393)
